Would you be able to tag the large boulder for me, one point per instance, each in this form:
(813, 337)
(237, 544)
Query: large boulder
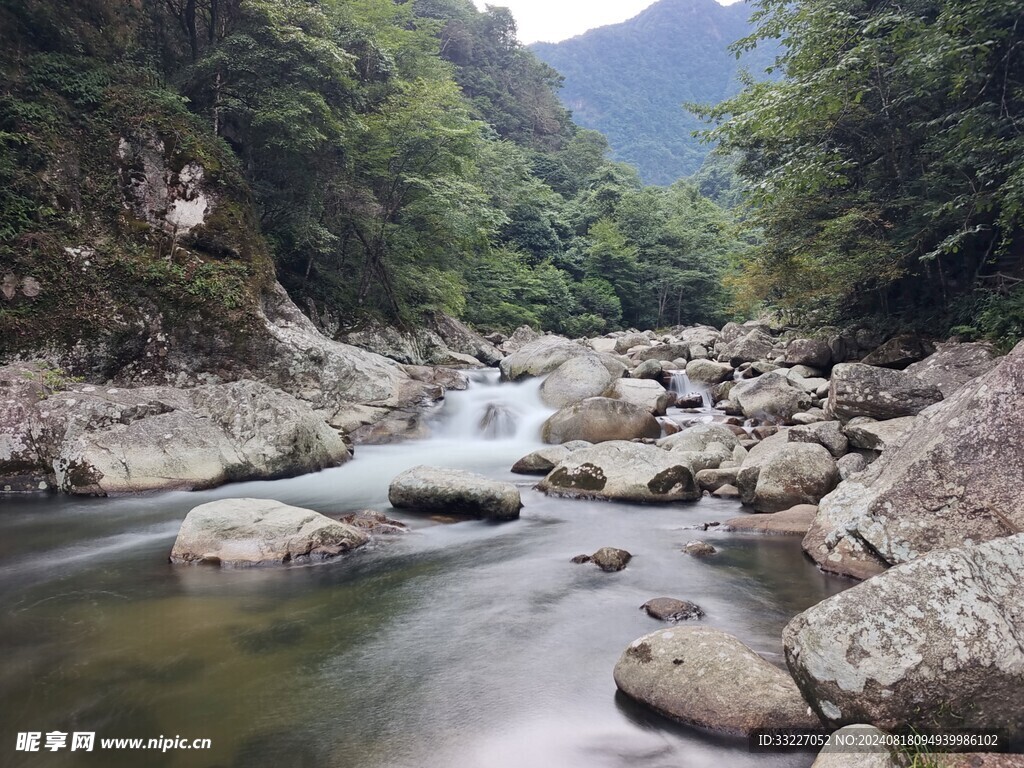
(932, 645)
(699, 437)
(454, 492)
(598, 419)
(646, 393)
(789, 522)
(520, 337)
(665, 353)
(99, 441)
(704, 677)
(954, 476)
(795, 473)
(772, 398)
(870, 435)
(825, 433)
(246, 532)
(462, 339)
(953, 365)
(649, 369)
(708, 371)
(813, 352)
(629, 340)
(622, 471)
(899, 352)
(540, 357)
(542, 461)
(881, 393)
(756, 345)
(576, 379)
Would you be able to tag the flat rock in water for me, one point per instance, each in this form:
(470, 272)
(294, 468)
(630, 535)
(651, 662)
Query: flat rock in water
(247, 532)
(670, 609)
(375, 523)
(454, 492)
(704, 677)
(795, 521)
(699, 549)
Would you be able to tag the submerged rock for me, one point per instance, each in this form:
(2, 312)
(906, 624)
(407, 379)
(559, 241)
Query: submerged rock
(704, 677)
(247, 532)
(452, 491)
(670, 609)
(622, 471)
(794, 521)
(375, 523)
(699, 549)
(610, 559)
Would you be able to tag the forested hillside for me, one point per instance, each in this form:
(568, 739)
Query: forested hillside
(631, 80)
(887, 168)
(382, 160)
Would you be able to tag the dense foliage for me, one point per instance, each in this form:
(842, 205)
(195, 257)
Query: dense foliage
(887, 167)
(630, 80)
(392, 158)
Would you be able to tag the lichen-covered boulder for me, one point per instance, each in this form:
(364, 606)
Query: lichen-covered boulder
(954, 477)
(542, 461)
(772, 398)
(622, 471)
(797, 473)
(881, 393)
(438, 490)
(813, 352)
(643, 392)
(932, 645)
(540, 356)
(825, 433)
(705, 371)
(248, 532)
(870, 435)
(598, 419)
(704, 677)
(899, 352)
(698, 437)
(953, 365)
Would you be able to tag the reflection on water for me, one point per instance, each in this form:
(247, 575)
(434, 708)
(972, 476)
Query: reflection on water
(467, 646)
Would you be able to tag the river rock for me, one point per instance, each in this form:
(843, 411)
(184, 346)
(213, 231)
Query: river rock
(881, 393)
(851, 464)
(105, 440)
(813, 352)
(520, 337)
(871, 435)
(931, 645)
(771, 398)
(546, 459)
(953, 365)
(375, 523)
(627, 341)
(598, 419)
(708, 371)
(899, 352)
(450, 491)
(699, 549)
(712, 479)
(670, 609)
(664, 353)
(698, 437)
(794, 521)
(576, 379)
(462, 339)
(850, 755)
(610, 559)
(622, 471)
(778, 474)
(828, 434)
(245, 532)
(953, 477)
(642, 392)
(704, 677)
(540, 357)
(756, 345)
(726, 492)
(649, 369)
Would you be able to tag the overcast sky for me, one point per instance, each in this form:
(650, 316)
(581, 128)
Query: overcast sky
(554, 20)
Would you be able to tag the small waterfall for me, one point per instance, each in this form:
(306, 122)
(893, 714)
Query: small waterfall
(680, 383)
(490, 410)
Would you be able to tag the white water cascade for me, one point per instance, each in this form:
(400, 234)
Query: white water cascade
(680, 384)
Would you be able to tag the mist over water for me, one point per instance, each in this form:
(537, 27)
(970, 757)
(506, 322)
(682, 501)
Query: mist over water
(473, 645)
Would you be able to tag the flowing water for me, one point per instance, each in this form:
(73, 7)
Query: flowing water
(468, 645)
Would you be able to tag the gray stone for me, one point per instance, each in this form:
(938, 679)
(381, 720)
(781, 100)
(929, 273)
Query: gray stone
(699, 549)
(642, 392)
(771, 398)
(546, 459)
(825, 433)
(520, 337)
(698, 437)
(247, 532)
(712, 479)
(670, 609)
(610, 559)
(785, 474)
(454, 492)
(540, 357)
(756, 345)
(953, 365)
(851, 464)
(789, 522)
(881, 393)
(813, 352)
(932, 645)
(955, 476)
(899, 352)
(649, 369)
(708, 371)
(576, 379)
(877, 435)
(860, 752)
(703, 677)
(622, 471)
(598, 419)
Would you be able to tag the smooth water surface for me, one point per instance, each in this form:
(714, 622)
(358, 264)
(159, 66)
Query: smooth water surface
(468, 645)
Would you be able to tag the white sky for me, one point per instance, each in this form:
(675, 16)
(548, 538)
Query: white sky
(554, 20)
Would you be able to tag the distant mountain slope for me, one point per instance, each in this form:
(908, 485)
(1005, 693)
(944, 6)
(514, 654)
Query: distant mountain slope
(629, 80)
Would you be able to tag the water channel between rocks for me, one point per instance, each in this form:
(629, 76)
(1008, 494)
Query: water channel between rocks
(471, 645)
